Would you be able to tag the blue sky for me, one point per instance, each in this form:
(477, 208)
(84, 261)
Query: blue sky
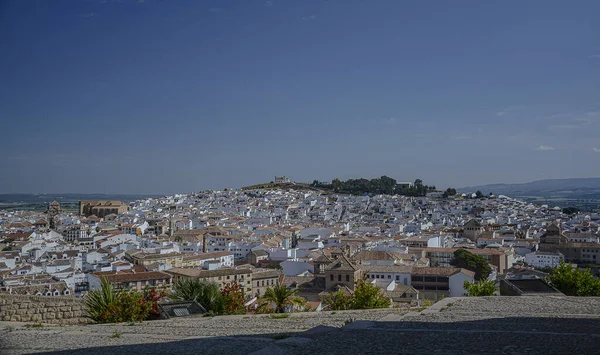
(177, 96)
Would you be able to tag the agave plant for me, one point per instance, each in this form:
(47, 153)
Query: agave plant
(205, 293)
(282, 297)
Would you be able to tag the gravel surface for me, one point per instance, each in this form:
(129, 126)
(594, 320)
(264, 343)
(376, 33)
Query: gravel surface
(16, 338)
(485, 325)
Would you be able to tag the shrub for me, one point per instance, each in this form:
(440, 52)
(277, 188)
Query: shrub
(480, 288)
(205, 293)
(337, 301)
(367, 296)
(573, 281)
(109, 306)
(233, 299)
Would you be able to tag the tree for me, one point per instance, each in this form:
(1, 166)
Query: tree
(467, 260)
(337, 184)
(367, 296)
(480, 288)
(573, 281)
(570, 210)
(282, 297)
(451, 191)
(479, 194)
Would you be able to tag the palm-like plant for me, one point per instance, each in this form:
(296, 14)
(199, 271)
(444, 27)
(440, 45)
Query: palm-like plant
(99, 302)
(205, 293)
(282, 296)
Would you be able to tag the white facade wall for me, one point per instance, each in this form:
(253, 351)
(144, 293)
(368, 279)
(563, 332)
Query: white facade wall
(456, 284)
(543, 260)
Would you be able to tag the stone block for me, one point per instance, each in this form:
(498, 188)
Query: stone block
(36, 318)
(65, 309)
(24, 305)
(49, 316)
(16, 318)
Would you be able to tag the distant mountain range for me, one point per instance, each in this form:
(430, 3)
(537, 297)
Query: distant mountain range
(68, 198)
(583, 188)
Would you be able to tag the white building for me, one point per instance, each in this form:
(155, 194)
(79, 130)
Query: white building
(540, 259)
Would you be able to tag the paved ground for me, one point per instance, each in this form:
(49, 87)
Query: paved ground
(502, 325)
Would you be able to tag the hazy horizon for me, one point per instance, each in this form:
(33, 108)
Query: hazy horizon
(151, 97)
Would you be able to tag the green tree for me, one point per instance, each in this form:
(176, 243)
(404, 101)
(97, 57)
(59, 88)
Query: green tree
(337, 301)
(479, 194)
(367, 296)
(205, 293)
(573, 281)
(282, 297)
(480, 288)
(570, 210)
(476, 263)
(336, 184)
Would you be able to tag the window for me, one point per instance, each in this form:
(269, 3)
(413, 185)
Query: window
(348, 277)
(389, 276)
(397, 277)
(331, 278)
(339, 277)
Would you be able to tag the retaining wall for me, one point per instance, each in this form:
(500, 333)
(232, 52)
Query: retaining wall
(42, 309)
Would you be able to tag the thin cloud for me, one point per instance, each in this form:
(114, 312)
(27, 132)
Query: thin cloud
(309, 18)
(390, 121)
(594, 56)
(544, 148)
(597, 150)
(506, 111)
(269, 3)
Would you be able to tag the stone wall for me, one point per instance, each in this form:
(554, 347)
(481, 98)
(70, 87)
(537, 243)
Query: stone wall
(42, 309)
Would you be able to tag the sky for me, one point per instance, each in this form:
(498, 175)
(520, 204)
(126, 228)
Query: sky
(160, 97)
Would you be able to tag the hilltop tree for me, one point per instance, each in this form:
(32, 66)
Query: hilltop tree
(479, 194)
(476, 263)
(570, 210)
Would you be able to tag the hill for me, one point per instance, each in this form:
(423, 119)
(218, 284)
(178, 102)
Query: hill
(583, 188)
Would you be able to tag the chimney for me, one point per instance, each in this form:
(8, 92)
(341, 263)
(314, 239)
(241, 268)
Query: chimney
(204, 243)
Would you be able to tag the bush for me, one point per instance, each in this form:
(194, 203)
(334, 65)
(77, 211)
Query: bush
(205, 293)
(233, 299)
(107, 305)
(337, 301)
(480, 288)
(365, 296)
(573, 281)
